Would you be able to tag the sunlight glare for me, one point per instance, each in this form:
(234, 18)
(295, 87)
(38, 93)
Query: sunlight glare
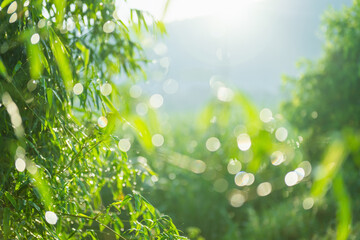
(308, 203)
(20, 164)
(266, 115)
(264, 189)
(237, 198)
(35, 38)
(109, 27)
(12, 8)
(157, 140)
(51, 217)
(78, 89)
(124, 144)
(241, 178)
(198, 166)
(213, 144)
(102, 121)
(225, 94)
(291, 178)
(306, 165)
(244, 142)
(106, 89)
(156, 101)
(277, 158)
(281, 134)
(13, 18)
(141, 109)
(234, 166)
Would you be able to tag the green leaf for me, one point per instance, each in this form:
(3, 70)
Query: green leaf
(60, 54)
(6, 222)
(86, 54)
(17, 67)
(60, 10)
(343, 216)
(11, 199)
(5, 3)
(35, 56)
(123, 202)
(330, 164)
(137, 202)
(3, 71)
(43, 188)
(49, 94)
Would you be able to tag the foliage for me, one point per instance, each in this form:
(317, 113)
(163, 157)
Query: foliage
(62, 175)
(197, 186)
(325, 110)
(323, 114)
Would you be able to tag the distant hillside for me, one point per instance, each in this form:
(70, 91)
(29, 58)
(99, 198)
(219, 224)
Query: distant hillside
(250, 54)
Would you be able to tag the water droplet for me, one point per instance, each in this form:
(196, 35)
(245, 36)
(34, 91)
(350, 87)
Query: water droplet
(78, 89)
(281, 134)
(12, 8)
(225, 94)
(264, 189)
(244, 142)
(266, 115)
(124, 144)
(291, 178)
(109, 27)
(106, 89)
(51, 217)
(20, 164)
(156, 101)
(102, 121)
(213, 144)
(234, 166)
(157, 140)
(35, 38)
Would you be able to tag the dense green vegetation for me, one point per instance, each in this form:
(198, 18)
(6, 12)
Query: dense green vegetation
(62, 173)
(79, 162)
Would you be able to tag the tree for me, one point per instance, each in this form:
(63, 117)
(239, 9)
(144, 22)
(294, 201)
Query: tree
(62, 175)
(325, 110)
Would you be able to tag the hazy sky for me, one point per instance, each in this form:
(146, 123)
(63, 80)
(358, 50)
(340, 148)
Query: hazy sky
(185, 9)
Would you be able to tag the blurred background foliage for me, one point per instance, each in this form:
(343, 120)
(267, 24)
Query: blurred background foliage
(87, 157)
